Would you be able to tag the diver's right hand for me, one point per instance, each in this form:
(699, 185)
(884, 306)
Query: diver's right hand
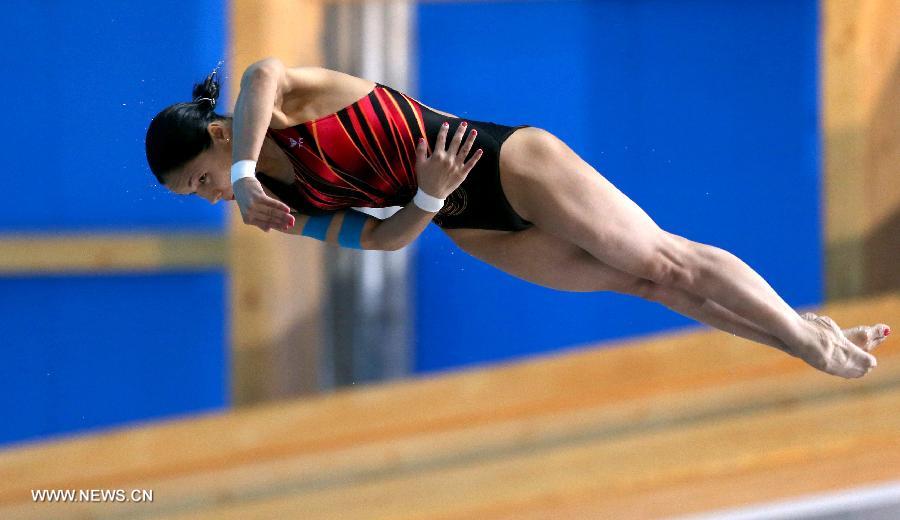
(446, 168)
(258, 209)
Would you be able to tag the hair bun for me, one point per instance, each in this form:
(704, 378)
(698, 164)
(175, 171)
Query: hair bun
(207, 91)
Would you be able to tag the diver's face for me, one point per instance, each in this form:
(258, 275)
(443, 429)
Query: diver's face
(209, 174)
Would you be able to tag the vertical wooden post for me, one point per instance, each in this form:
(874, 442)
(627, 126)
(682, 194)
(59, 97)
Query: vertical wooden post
(861, 126)
(276, 279)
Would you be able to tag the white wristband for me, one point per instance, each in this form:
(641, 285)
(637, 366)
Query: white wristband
(241, 169)
(427, 202)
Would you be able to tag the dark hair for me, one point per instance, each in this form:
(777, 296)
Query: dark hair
(178, 134)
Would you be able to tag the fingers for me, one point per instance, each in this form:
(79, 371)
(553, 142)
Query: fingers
(441, 142)
(457, 138)
(421, 151)
(458, 150)
(468, 165)
(276, 224)
(464, 150)
(275, 212)
(269, 213)
(259, 209)
(268, 224)
(270, 206)
(456, 147)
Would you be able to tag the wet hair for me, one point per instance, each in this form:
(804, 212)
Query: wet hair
(178, 134)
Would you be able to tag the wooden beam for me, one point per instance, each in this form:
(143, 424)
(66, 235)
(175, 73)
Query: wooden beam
(48, 254)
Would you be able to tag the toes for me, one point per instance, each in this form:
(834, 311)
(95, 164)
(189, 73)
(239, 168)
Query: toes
(808, 316)
(877, 335)
(859, 336)
(867, 338)
(880, 333)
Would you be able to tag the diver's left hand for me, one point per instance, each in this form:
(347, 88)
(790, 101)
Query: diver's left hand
(446, 168)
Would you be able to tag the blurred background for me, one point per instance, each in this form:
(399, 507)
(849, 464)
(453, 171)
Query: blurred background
(149, 341)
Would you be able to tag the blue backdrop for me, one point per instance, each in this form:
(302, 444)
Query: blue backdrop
(78, 352)
(704, 113)
(81, 352)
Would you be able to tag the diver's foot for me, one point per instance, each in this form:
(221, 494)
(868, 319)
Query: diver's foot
(831, 352)
(866, 337)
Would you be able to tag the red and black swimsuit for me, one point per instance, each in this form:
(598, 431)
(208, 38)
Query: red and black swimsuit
(364, 156)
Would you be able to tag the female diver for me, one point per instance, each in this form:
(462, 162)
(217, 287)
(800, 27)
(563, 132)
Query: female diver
(306, 145)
